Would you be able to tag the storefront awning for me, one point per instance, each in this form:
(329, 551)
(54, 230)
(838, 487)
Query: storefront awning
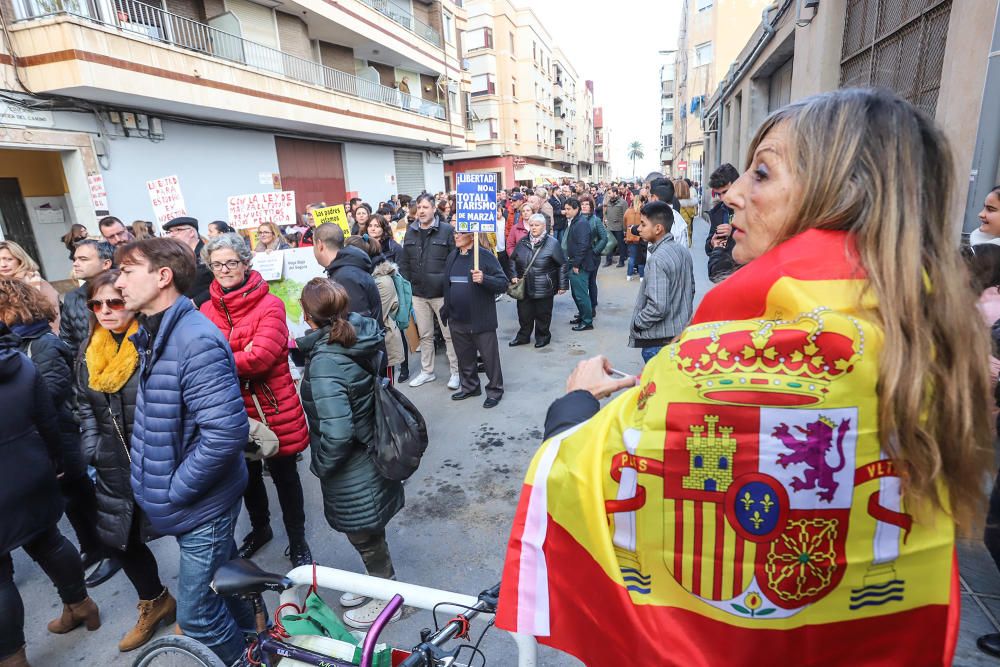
(540, 175)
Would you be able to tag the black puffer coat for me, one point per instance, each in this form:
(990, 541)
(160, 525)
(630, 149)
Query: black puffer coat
(104, 449)
(54, 362)
(74, 319)
(550, 271)
(30, 500)
(424, 254)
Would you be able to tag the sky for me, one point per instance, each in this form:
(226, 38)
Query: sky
(615, 44)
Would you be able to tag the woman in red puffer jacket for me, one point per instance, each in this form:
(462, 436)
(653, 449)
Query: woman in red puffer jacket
(253, 321)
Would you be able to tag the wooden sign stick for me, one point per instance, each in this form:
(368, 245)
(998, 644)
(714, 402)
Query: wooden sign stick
(475, 250)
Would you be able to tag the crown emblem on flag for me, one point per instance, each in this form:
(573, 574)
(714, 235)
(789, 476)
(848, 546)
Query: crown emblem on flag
(771, 362)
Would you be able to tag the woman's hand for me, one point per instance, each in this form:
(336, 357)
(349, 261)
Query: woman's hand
(249, 347)
(477, 277)
(594, 375)
(561, 292)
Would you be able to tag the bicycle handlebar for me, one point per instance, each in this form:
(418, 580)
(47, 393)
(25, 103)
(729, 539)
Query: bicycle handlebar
(428, 653)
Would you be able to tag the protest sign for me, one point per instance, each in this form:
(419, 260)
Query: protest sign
(270, 265)
(300, 267)
(476, 202)
(249, 211)
(165, 195)
(98, 195)
(335, 214)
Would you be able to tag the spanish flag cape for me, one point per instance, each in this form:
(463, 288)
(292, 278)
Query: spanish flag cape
(736, 508)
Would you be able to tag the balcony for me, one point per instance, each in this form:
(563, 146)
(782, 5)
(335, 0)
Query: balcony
(407, 20)
(667, 154)
(557, 90)
(156, 25)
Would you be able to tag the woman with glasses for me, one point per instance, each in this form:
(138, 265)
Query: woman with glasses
(269, 238)
(107, 384)
(253, 320)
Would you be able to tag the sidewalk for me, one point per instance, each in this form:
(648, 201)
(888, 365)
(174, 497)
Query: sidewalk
(980, 583)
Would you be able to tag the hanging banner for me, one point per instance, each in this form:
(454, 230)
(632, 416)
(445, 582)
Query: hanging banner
(335, 214)
(250, 211)
(476, 202)
(165, 195)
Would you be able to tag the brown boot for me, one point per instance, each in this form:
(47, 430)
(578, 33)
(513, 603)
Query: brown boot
(19, 659)
(151, 613)
(75, 615)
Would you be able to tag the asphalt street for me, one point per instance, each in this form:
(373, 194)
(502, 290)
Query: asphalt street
(453, 531)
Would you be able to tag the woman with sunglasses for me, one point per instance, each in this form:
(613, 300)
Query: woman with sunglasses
(253, 321)
(107, 383)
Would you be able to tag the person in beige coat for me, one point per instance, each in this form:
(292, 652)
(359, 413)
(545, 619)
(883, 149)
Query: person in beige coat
(382, 273)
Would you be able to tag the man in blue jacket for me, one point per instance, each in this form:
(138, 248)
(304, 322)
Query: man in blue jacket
(188, 435)
(582, 261)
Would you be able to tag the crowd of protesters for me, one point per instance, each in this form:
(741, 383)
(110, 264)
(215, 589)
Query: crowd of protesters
(174, 343)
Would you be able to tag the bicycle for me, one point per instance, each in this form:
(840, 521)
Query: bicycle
(245, 579)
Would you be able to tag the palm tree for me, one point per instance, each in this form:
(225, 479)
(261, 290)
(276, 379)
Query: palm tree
(635, 153)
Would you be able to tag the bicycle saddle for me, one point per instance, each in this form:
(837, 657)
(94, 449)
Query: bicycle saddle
(243, 577)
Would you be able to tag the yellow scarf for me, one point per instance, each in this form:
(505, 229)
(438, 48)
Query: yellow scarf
(111, 365)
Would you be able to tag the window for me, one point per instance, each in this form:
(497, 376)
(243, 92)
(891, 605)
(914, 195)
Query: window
(480, 38)
(517, 134)
(513, 88)
(449, 28)
(483, 84)
(703, 54)
(703, 4)
(512, 49)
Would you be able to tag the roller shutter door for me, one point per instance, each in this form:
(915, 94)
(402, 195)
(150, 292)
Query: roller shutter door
(409, 172)
(256, 22)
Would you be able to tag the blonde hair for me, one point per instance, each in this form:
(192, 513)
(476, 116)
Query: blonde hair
(278, 236)
(27, 266)
(681, 189)
(873, 165)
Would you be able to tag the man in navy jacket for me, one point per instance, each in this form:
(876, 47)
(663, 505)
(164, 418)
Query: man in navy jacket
(582, 262)
(188, 436)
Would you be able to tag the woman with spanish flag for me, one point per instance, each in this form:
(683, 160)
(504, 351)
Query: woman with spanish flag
(789, 474)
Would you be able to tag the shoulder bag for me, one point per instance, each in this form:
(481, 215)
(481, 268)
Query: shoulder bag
(263, 442)
(518, 291)
(400, 430)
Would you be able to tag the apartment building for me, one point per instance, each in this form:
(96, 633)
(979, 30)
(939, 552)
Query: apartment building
(935, 53)
(711, 34)
(602, 147)
(667, 107)
(530, 113)
(230, 97)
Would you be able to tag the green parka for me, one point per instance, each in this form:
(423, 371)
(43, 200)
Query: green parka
(338, 398)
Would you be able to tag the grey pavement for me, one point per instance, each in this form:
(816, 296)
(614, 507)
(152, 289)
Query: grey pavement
(453, 531)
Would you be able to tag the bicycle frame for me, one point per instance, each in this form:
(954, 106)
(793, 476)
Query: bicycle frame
(419, 597)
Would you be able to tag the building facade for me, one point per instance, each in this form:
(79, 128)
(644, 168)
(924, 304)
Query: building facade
(935, 53)
(711, 34)
(530, 112)
(229, 96)
(602, 147)
(667, 108)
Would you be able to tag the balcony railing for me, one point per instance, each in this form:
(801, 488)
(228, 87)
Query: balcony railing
(407, 20)
(156, 24)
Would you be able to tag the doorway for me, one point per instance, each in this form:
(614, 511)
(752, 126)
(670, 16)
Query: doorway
(14, 220)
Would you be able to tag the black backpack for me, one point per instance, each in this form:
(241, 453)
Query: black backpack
(400, 429)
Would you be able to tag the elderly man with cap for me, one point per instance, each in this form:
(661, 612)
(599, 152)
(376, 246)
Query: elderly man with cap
(185, 230)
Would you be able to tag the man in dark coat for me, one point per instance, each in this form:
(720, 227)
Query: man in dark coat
(188, 435)
(90, 258)
(350, 267)
(428, 242)
(720, 243)
(471, 312)
(582, 262)
(185, 230)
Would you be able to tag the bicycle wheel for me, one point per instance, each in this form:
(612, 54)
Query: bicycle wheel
(176, 651)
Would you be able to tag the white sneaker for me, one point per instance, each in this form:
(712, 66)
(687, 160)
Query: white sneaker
(349, 600)
(362, 618)
(423, 378)
(629, 278)
(454, 382)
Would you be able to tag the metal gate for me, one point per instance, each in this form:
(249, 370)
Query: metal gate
(896, 44)
(409, 172)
